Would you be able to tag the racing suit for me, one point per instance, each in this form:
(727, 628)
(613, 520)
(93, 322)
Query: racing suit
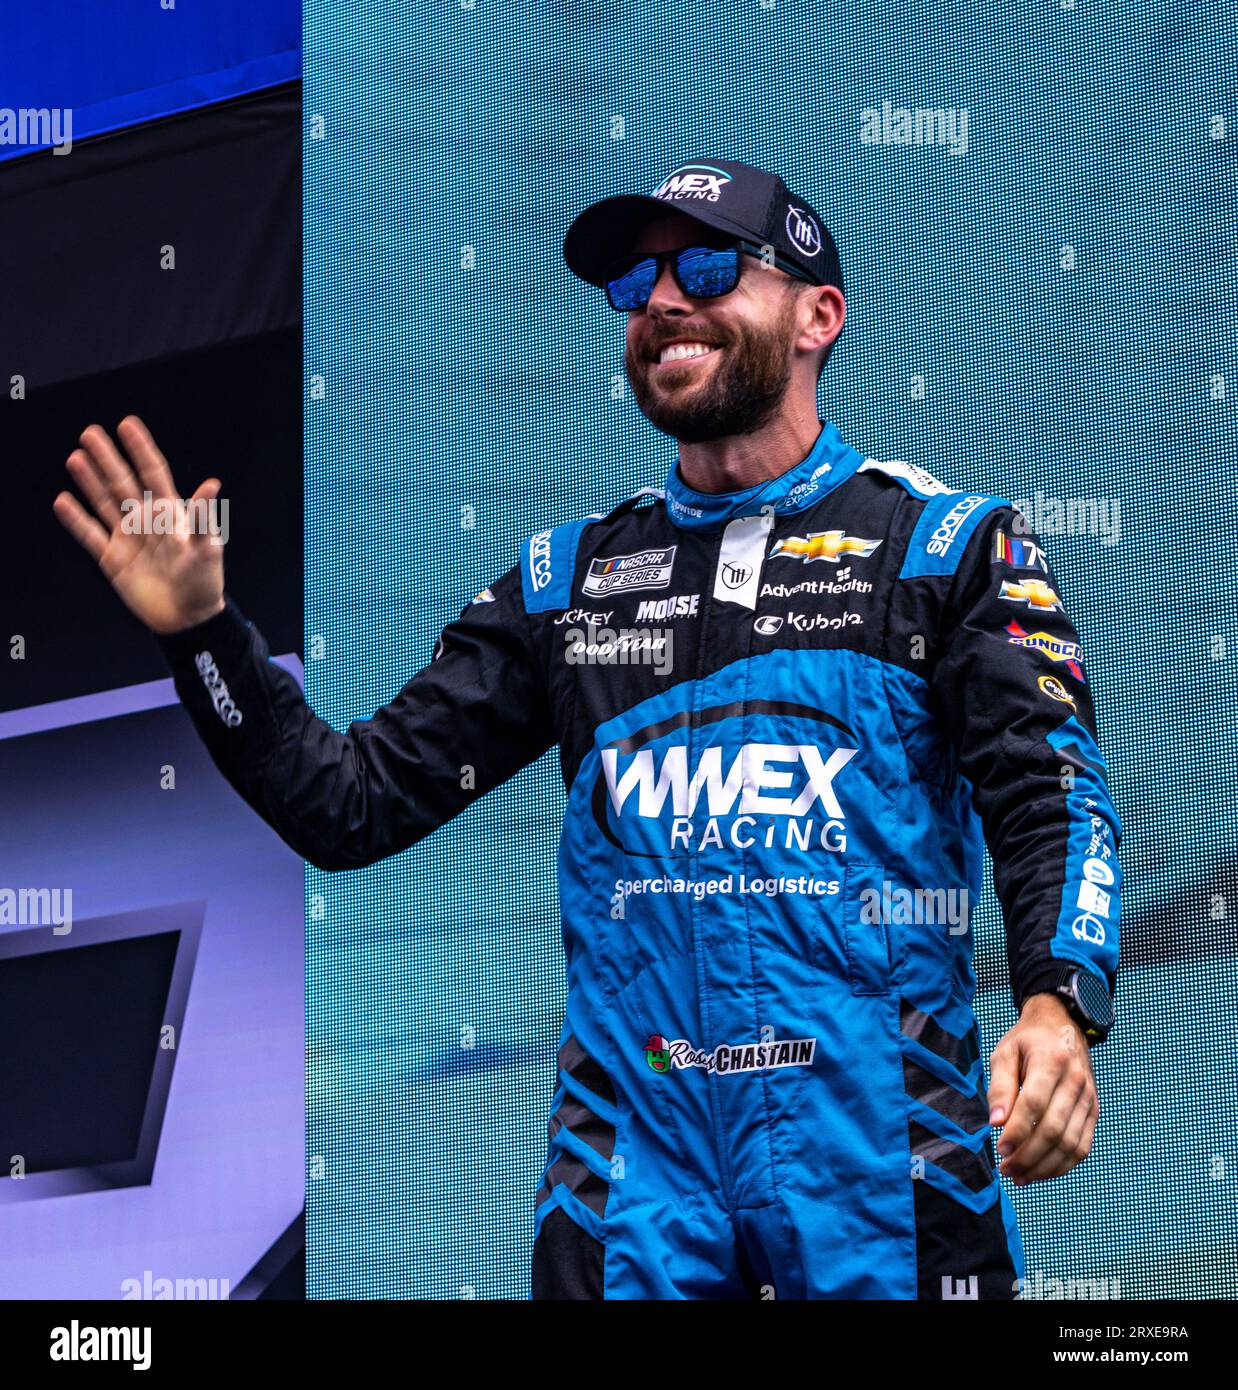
(788, 717)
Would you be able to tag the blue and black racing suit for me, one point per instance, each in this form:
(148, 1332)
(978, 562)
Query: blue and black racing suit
(788, 718)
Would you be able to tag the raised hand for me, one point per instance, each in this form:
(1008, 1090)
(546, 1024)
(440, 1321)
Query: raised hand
(170, 577)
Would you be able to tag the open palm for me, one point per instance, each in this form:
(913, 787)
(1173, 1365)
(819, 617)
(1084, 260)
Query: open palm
(168, 580)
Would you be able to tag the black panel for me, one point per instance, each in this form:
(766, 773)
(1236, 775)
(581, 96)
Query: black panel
(233, 412)
(958, 1246)
(79, 1033)
(83, 241)
(568, 1263)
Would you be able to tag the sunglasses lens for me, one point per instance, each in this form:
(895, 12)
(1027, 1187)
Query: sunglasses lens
(631, 290)
(702, 271)
(706, 273)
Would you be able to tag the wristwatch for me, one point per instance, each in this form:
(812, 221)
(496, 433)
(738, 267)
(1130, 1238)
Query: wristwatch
(1086, 997)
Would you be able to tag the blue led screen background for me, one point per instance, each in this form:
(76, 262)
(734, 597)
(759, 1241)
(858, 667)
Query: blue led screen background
(1042, 307)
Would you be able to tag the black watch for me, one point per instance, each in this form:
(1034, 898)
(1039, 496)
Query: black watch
(1086, 997)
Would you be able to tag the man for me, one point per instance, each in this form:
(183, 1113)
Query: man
(789, 692)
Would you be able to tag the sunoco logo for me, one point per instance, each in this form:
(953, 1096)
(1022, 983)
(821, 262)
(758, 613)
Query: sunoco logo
(699, 182)
(653, 801)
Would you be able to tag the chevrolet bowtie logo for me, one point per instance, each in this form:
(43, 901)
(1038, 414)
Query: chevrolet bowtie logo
(823, 545)
(1034, 592)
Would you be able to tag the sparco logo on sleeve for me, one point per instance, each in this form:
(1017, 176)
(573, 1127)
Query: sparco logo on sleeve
(646, 569)
(943, 537)
(224, 704)
(539, 560)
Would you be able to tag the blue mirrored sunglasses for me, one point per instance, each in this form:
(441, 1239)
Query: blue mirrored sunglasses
(702, 272)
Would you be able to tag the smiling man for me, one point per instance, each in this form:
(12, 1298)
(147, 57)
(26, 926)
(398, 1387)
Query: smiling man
(725, 372)
(770, 1081)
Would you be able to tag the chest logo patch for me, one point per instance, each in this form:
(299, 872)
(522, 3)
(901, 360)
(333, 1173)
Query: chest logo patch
(620, 574)
(822, 545)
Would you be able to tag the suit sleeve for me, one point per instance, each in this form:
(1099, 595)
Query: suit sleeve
(465, 723)
(1014, 696)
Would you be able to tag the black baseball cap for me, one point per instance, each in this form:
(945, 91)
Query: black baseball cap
(734, 198)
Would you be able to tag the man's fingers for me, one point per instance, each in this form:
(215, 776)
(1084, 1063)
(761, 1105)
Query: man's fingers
(1048, 1137)
(1078, 1137)
(1054, 1165)
(1031, 1102)
(1073, 1147)
(1003, 1082)
(82, 527)
(87, 474)
(147, 457)
(207, 490)
(108, 462)
(1089, 1127)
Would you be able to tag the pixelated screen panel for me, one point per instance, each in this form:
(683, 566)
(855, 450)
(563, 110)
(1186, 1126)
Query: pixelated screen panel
(1037, 306)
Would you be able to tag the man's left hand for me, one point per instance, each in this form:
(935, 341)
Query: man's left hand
(1043, 1089)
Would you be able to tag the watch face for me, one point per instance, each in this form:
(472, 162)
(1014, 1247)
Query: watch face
(1093, 997)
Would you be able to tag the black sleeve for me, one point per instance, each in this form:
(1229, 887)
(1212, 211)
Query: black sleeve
(1014, 697)
(465, 723)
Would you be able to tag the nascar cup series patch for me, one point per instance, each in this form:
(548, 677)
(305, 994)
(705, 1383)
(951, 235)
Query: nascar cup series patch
(645, 569)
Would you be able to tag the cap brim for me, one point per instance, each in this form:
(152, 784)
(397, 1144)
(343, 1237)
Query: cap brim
(606, 229)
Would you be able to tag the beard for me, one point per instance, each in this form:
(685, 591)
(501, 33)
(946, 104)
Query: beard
(741, 391)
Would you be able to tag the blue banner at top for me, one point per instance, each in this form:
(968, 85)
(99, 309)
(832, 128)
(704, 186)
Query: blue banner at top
(70, 69)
